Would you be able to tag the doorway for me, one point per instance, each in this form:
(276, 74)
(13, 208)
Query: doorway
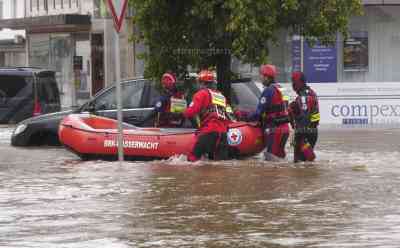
(97, 44)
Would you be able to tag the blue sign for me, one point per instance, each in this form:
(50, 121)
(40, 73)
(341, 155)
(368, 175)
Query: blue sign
(320, 63)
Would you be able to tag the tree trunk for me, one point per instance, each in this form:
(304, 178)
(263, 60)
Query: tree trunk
(224, 75)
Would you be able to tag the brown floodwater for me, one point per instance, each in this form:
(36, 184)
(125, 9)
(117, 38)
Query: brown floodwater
(349, 197)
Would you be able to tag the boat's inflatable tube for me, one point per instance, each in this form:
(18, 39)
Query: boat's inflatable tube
(94, 137)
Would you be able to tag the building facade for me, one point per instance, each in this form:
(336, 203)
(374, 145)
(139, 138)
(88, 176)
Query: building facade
(74, 38)
(12, 43)
(357, 78)
(370, 54)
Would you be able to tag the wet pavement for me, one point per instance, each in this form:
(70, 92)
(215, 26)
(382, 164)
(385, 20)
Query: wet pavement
(350, 197)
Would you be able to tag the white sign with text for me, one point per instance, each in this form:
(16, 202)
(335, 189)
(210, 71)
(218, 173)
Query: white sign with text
(375, 103)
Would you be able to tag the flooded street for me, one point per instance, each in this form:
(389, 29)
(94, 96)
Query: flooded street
(350, 197)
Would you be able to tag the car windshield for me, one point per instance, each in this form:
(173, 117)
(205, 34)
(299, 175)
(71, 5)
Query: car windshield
(245, 95)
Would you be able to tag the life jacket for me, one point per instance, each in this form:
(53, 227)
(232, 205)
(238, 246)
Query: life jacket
(277, 112)
(285, 96)
(307, 112)
(177, 104)
(216, 109)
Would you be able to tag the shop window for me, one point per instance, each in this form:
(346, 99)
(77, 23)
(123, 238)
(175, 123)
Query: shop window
(355, 52)
(39, 50)
(82, 64)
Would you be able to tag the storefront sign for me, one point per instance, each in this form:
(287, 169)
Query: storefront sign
(320, 63)
(361, 111)
(374, 103)
(355, 52)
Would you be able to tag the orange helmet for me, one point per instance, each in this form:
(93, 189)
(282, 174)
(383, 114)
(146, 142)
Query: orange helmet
(268, 71)
(206, 76)
(168, 80)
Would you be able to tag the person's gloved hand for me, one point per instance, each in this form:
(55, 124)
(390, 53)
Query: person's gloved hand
(238, 115)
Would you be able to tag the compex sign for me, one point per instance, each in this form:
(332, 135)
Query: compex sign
(372, 113)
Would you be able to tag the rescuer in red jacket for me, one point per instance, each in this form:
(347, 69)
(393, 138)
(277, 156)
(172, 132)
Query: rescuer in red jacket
(304, 118)
(272, 113)
(170, 105)
(209, 106)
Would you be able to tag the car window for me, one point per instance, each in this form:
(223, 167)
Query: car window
(245, 95)
(106, 101)
(11, 85)
(154, 95)
(47, 90)
(132, 94)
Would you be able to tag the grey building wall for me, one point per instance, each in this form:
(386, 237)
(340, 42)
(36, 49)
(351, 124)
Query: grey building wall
(383, 26)
(381, 21)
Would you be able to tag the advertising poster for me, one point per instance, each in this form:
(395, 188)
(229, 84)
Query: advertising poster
(320, 62)
(355, 52)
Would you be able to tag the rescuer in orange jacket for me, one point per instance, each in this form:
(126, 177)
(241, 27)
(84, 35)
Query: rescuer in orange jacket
(304, 118)
(209, 106)
(272, 113)
(170, 105)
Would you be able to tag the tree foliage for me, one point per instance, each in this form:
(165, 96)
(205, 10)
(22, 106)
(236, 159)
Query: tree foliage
(206, 33)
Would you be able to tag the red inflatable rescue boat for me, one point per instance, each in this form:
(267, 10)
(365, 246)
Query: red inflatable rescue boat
(95, 137)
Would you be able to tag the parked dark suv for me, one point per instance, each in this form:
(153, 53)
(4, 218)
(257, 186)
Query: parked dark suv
(138, 98)
(27, 92)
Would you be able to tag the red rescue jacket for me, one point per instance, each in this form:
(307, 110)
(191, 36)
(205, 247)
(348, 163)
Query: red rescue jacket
(201, 106)
(304, 110)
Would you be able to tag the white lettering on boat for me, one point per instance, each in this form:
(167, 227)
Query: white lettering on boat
(133, 144)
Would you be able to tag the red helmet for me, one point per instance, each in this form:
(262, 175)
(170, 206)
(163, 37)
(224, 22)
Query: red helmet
(168, 80)
(268, 71)
(206, 76)
(298, 80)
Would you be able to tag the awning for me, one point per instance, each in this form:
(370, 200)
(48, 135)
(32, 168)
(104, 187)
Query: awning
(52, 23)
